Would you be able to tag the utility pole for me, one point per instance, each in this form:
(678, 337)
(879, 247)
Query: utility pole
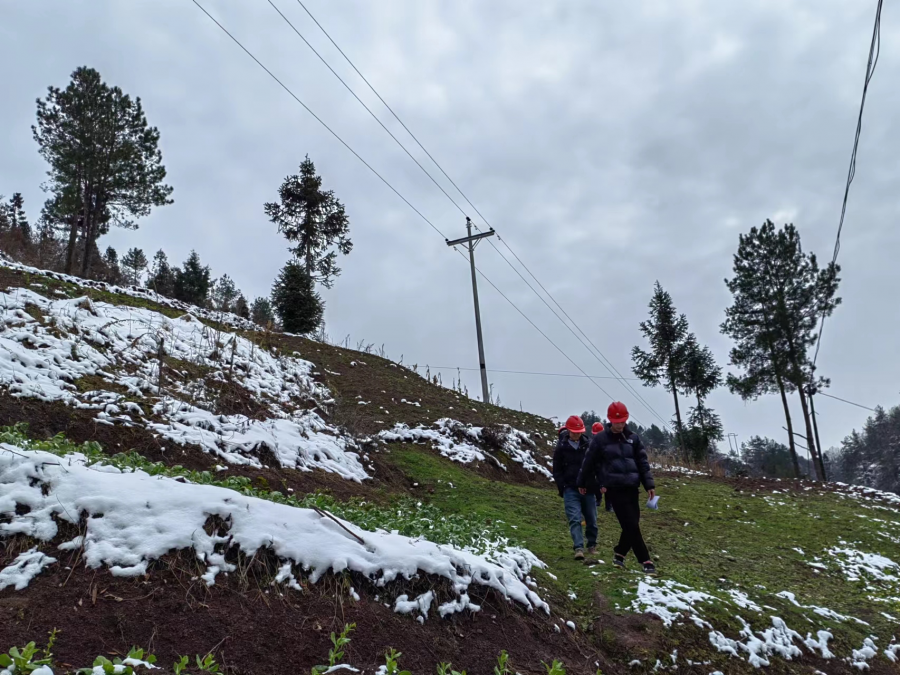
(472, 240)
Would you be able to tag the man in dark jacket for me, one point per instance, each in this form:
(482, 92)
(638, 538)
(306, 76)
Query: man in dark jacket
(617, 463)
(580, 506)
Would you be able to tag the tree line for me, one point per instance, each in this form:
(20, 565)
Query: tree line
(779, 294)
(105, 170)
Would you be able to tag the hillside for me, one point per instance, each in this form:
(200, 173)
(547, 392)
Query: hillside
(191, 485)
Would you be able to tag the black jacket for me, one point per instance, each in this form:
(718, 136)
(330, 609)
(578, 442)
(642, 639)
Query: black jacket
(616, 460)
(567, 462)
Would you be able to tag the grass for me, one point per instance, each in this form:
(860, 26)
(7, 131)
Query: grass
(708, 535)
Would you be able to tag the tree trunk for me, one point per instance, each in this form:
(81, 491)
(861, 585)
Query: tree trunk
(810, 440)
(73, 238)
(790, 426)
(679, 426)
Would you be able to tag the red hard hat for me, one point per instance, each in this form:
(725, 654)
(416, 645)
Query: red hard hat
(597, 427)
(617, 412)
(575, 425)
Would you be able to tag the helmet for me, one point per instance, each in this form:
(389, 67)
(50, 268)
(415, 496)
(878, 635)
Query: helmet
(597, 427)
(575, 425)
(617, 412)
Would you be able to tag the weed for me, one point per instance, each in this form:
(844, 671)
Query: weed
(447, 669)
(22, 660)
(502, 667)
(555, 668)
(336, 653)
(119, 666)
(391, 665)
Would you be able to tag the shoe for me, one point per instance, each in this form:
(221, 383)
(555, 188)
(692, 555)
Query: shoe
(579, 554)
(592, 550)
(619, 561)
(649, 568)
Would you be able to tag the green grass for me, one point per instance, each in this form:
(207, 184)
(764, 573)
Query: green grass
(707, 535)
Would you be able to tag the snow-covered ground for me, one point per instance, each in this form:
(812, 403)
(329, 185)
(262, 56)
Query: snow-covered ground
(132, 518)
(465, 443)
(73, 338)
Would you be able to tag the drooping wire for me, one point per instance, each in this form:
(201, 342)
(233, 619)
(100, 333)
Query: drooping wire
(589, 345)
(874, 52)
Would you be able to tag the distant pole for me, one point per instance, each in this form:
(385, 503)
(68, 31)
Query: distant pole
(471, 242)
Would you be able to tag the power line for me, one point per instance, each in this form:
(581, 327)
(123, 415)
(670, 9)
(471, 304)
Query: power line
(317, 118)
(601, 358)
(393, 189)
(843, 400)
(874, 52)
(529, 372)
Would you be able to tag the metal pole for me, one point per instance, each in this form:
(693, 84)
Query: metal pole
(485, 392)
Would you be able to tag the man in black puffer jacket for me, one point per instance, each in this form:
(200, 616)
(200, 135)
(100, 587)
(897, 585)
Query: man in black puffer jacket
(567, 460)
(617, 462)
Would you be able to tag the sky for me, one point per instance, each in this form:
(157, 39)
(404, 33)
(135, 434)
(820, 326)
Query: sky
(610, 145)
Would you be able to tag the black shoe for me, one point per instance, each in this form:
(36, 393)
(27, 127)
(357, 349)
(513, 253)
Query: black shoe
(649, 568)
(619, 561)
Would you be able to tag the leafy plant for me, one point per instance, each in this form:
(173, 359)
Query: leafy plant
(447, 669)
(207, 664)
(502, 667)
(180, 665)
(555, 668)
(119, 666)
(391, 664)
(336, 653)
(21, 660)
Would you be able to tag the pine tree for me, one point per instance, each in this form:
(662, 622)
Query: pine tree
(779, 295)
(112, 273)
(105, 164)
(667, 333)
(700, 377)
(295, 300)
(19, 220)
(313, 219)
(134, 262)
(162, 276)
(261, 312)
(192, 281)
(241, 308)
(224, 293)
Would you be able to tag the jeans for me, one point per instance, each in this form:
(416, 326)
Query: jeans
(581, 507)
(626, 504)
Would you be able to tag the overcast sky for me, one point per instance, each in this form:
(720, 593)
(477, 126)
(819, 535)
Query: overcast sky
(610, 144)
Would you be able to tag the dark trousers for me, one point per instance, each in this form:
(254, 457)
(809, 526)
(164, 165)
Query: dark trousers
(626, 504)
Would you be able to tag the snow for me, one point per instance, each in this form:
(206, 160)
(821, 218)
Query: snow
(120, 345)
(570, 624)
(667, 599)
(857, 565)
(464, 443)
(23, 569)
(860, 656)
(133, 518)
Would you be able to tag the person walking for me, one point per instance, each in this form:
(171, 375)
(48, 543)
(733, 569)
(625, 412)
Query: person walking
(580, 506)
(616, 463)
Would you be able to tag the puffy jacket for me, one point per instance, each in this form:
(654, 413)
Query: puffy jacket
(616, 460)
(567, 462)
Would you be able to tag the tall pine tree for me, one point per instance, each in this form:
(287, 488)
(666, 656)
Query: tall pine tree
(295, 300)
(134, 262)
(779, 294)
(701, 375)
(314, 220)
(667, 333)
(261, 312)
(162, 276)
(105, 164)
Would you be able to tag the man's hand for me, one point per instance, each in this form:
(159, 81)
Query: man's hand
(582, 491)
(652, 493)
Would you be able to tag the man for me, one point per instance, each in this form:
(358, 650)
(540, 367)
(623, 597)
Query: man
(617, 463)
(579, 505)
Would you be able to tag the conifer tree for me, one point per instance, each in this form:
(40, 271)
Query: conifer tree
(261, 312)
(192, 281)
(18, 220)
(113, 273)
(224, 293)
(162, 276)
(779, 295)
(295, 300)
(314, 220)
(134, 262)
(241, 308)
(700, 376)
(667, 333)
(105, 164)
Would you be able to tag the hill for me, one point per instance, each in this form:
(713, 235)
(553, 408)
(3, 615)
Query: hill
(176, 479)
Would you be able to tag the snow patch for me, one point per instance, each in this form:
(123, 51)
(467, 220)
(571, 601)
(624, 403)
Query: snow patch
(24, 568)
